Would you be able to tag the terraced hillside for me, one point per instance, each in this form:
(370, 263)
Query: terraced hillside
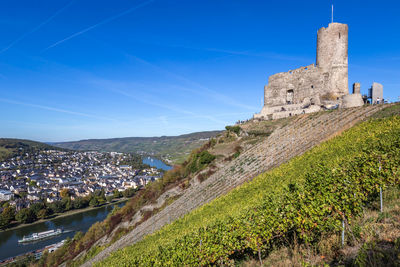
(286, 141)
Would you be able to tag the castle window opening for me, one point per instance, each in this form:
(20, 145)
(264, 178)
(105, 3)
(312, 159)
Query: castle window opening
(312, 86)
(339, 35)
(289, 96)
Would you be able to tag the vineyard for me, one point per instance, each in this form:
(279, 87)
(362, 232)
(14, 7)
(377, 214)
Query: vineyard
(311, 195)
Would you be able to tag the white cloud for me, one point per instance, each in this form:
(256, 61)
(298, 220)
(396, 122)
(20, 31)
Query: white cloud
(10, 101)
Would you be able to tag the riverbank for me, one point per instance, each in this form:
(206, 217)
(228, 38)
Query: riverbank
(65, 214)
(73, 222)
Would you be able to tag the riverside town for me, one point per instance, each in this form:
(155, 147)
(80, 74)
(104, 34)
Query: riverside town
(65, 180)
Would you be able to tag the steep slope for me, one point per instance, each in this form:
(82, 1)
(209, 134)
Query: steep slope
(10, 147)
(287, 141)
(329, 183)
(372, 240)
(174, 148)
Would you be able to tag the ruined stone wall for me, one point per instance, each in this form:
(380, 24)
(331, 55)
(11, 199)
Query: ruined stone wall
(324, 83)
(304, 82)
(329, 75)
(376, 92)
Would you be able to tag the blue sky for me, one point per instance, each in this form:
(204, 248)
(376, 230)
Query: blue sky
(81, 69)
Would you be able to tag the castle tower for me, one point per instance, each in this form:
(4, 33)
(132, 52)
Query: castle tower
(332, 57)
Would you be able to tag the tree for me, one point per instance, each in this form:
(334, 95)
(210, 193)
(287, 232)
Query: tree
(6, 217)
(134, 160)
(100, 193)
(25, 216)
(67, 203)
(80, 203)
(43, 213)
(129, 192)
(65, 193)
(100, 196)
(57, 207)
(117, 194)
(3, 222)
(9, 213)
(36, 207)
(101, 200)
(94, 202)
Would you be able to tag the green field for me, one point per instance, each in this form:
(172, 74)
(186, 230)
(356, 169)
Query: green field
(309, 196)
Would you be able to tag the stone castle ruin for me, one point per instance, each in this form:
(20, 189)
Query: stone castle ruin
(321, 85)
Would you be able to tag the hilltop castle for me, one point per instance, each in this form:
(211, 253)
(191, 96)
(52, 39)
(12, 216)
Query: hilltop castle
(321, 85)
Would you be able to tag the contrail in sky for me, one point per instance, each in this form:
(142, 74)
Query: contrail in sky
(53, 109)
(99, 24)
(169, 107)
(37, 27)
(249, 53)
(209, 92)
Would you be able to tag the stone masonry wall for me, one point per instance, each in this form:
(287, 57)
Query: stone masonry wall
(303, 82)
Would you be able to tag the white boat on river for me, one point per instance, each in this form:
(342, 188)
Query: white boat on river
(41, 235)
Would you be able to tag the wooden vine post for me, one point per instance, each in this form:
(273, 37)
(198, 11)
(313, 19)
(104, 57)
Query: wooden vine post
(380, 190)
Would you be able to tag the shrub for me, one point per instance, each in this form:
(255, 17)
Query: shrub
(206, 158)
(234, 129)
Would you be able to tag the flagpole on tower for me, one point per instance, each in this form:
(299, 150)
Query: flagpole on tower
(332, 13)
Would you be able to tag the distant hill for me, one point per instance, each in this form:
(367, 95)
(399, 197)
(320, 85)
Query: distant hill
(10, 147)
(175, 148)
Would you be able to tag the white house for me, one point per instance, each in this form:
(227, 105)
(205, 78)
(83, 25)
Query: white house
(5, 195)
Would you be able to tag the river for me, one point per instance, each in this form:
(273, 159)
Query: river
(9, 246)
(153, 162)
